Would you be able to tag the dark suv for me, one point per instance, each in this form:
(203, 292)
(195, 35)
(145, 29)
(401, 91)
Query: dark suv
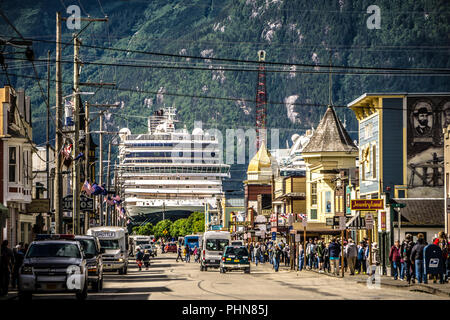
(53, 264)
(94, 261)
(235, 258)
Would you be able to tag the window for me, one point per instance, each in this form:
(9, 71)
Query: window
(374, 161)
(12, 164)
(314, 193)
(313, 214)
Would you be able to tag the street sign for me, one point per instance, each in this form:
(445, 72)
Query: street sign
(342, 222)
(398, 205)
(367, 204)
(38, 206)
(297, 237)
(382, 220)
(274, 235)
(330, 222)
(305, 221)
(86, 204)
(53, 227)
(369, 221)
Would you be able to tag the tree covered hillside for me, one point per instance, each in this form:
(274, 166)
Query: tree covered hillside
(412, 34)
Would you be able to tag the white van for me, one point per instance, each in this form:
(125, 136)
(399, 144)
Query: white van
(213, 245)
(115, 242)
(140, 240)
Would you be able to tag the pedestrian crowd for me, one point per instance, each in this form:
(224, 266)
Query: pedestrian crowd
(184, 253)
(408, 260)
(10, 262)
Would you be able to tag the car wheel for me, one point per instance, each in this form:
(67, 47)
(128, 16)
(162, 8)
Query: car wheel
(247, 270)
(120, 271)
(125, 269)
(83, 294)
(24, 296)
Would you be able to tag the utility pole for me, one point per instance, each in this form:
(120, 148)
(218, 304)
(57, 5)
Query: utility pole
(75, 167)
(58, 138)
(86, 156)
(115, 216)
(47, 136)
(100, 178)
(108, 208)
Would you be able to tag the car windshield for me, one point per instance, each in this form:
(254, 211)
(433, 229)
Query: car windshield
(49, 250)
(109, 244)
(238, 252)
(88, 246)
(216, 244)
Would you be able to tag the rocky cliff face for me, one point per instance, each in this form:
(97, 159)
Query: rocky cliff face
(412, 34)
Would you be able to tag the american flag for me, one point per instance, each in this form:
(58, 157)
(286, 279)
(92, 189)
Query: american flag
(109, 201)
(302, 216)
(66, 151)
(87, 188)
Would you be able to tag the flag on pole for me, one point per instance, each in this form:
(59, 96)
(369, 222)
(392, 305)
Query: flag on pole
(87, 188)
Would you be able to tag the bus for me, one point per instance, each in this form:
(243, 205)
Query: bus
(192, 241)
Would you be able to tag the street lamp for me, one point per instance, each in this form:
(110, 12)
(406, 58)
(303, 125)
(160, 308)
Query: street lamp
(398, 206)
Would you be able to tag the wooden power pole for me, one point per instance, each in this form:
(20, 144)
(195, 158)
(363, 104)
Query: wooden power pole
(76, 148)
(58, 137)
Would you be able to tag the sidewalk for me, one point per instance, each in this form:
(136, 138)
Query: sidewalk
(386, 281)
(12, 294)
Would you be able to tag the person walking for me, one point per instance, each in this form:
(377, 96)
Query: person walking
(301, 257)
(418, 259)
(179, 256)
(351, 252)
(195, 254)
(187, 254)
(286, 255)
(442, 242)
(146, 259)
(139, 257)
(361, 258)
(394, 258)
(326, 259)
(251, 250)
(6, 267)
(320, 255)
(257, 253)
(277, 256)
(335, 251)
(407, 265)
(18, 260)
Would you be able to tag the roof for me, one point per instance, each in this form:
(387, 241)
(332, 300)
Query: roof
(330, 136)
(421, 212)
(262, 159)
(376, 94)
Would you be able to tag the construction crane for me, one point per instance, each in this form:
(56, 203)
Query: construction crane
(261, 101)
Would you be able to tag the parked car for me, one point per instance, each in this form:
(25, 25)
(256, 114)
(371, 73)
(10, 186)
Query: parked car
(53, 264)
(150, 247)
(235, 258)
(93, 252)
(171, 247)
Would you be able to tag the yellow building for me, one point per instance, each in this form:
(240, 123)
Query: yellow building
(329, 150)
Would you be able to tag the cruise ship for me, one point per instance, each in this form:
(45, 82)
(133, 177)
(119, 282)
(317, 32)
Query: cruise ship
(167, 172)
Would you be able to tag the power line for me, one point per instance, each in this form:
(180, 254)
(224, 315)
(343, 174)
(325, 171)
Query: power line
(213, 97)
(247, 61)
(429, 72)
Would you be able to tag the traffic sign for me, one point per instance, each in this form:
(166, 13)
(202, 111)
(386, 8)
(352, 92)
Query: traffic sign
(369, 221)
(342, 222)
(398, 205)
(86, 204)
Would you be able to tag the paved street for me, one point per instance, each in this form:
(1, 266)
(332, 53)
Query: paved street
(168, 280)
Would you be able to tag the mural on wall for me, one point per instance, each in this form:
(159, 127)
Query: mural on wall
(426, 118)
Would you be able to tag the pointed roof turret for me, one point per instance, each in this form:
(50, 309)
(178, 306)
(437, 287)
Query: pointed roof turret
(330, 136)
(261, 160)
